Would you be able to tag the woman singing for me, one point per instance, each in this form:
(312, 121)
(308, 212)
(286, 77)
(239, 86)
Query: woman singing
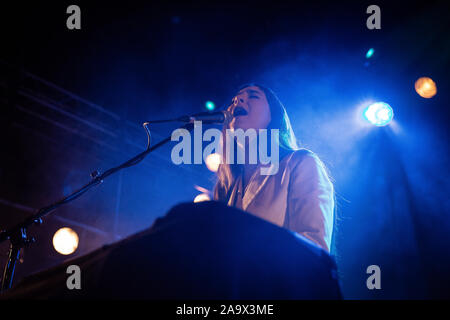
(299, 196)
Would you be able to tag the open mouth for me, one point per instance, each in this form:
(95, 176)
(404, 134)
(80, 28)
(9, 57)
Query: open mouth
(239, 111)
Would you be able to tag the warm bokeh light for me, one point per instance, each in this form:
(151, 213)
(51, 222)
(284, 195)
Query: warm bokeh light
(425, 87)
(65, 241)
(213, 161)
(202, 197)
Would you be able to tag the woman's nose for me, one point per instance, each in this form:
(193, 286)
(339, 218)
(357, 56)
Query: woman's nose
(238, 101)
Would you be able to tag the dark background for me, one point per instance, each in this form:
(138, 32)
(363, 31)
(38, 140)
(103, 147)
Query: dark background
(134, 61)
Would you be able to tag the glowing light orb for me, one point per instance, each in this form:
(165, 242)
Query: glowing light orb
(378, 114)
(370, 53)
(202, 197)
(425, 87)
(65, 241)
(213, 161)
(209, 105)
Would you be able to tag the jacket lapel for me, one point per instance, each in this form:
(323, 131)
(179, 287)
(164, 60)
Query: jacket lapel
(254, 187)
(258, 181)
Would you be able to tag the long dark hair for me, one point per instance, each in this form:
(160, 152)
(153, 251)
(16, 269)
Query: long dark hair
(227, 173)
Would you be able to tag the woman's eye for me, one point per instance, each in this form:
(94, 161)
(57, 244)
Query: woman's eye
(254, 97)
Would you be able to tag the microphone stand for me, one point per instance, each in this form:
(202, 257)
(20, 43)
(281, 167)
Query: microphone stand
(17, 235)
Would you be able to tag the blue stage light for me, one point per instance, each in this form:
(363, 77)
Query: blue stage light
(370, 53)
(210, 105)
(379, 114)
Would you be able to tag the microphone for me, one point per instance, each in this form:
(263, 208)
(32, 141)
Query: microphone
(217, 117)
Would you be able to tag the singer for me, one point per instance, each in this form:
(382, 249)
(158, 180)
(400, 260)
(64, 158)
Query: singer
(300, 196)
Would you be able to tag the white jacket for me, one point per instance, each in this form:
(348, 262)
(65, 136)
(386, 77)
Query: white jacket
(298, 197)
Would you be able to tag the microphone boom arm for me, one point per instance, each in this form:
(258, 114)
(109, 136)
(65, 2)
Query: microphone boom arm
(17, 234)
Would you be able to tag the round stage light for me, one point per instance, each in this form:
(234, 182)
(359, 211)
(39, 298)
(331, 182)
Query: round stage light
(425, 87)
(213, 161)
(209, 105)
(65, 241)
(378, 114)
(202, 197)
(370, 53)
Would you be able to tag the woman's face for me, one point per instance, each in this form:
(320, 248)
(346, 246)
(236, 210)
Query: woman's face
(251, 109)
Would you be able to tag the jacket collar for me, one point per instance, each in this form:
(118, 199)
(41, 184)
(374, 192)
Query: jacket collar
(258, 181)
